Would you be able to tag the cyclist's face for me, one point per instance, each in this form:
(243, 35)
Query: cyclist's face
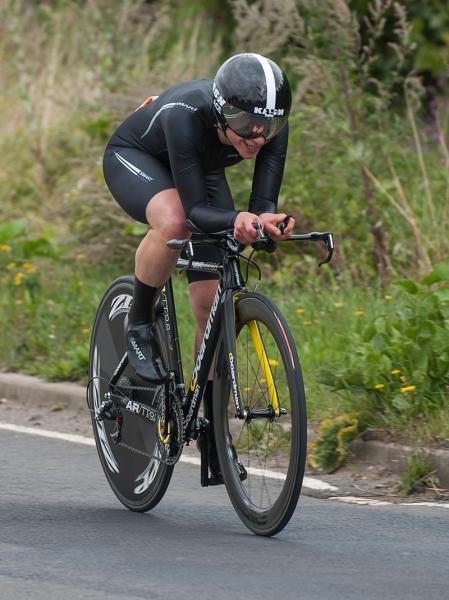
(246, 148)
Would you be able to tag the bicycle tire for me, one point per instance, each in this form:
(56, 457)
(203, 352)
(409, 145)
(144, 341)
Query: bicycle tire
(135, 475)
(275, 469)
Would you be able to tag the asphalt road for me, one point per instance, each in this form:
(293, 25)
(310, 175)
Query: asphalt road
(63, 535)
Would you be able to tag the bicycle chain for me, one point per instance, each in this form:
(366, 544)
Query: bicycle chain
(137, 451)
(139, 388)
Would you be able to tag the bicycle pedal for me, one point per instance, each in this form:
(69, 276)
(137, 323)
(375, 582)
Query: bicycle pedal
(200, 426)
(215, 481)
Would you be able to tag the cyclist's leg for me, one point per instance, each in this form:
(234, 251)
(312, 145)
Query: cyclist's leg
(202, 288)
(201, 296)
(144, 188)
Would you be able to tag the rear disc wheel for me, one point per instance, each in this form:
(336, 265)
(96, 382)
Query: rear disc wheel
(132, 467)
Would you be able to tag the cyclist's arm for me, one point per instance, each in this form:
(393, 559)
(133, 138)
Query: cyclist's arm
(268, 174)
(184, 138)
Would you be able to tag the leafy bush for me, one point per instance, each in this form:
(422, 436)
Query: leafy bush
(399, 359)
(46, 308)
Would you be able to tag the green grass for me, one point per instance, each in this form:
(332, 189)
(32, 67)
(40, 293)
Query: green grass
(419, 475)
(48, 306)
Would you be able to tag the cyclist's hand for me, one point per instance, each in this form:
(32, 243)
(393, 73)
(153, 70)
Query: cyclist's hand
(244, 231)
(271, 225)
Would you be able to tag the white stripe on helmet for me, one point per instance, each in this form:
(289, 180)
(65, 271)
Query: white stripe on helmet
(269, 77)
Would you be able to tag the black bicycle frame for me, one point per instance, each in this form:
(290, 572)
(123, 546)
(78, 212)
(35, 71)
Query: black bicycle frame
(222, 317)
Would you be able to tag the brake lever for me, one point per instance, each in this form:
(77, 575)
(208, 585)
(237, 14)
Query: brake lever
(330, 248)
(266, 243)
(283, 224)
(260, 232)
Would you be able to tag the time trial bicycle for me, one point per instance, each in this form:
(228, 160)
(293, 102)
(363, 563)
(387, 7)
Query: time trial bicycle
(259, 407)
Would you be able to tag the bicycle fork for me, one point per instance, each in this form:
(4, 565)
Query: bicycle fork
(274, 410)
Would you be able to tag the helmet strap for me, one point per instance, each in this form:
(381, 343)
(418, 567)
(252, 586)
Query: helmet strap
(223, 128)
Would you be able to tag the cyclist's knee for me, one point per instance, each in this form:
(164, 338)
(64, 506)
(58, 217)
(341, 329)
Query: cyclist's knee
(175, 229)
(166, 215)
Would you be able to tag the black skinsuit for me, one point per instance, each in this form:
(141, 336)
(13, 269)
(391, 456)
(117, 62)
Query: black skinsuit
(172, 142)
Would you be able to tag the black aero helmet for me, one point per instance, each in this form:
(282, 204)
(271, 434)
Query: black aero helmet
(252, 96)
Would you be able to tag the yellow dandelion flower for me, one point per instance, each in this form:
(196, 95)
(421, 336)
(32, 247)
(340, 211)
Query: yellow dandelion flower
(403, 378)
(29, 267)
(300, 311)
(379, 386)
(263, 380)
(273, 362)
(11, 266)
(307, 322)
(338, 304)
(395, 372)
(407, 388)
(359, 313)
(247, 389)
(19, 278)
(5, 248)
(388, 297)
(85, 330)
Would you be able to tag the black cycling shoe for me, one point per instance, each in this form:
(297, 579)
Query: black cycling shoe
(242, 472)
(216, 477)
(143, 352)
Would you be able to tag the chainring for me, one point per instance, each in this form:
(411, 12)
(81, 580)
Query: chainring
(172, 449)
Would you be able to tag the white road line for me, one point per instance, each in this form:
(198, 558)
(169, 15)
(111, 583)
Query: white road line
(313, 483)
(309, 482)
(433, 504)
(56, 435)
(374, 502)
(361, 501)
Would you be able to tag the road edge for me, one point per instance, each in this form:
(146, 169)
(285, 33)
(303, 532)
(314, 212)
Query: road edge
(34, 390)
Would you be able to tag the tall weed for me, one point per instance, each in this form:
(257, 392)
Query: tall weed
(358, 163)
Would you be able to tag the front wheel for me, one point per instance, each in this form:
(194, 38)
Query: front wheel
(263, 456)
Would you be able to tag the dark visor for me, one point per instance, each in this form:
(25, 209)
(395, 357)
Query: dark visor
(248, 125)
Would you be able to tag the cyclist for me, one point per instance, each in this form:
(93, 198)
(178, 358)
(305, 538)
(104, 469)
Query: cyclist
(165, 166)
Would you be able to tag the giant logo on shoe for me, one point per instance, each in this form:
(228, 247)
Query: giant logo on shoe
(140, 355)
